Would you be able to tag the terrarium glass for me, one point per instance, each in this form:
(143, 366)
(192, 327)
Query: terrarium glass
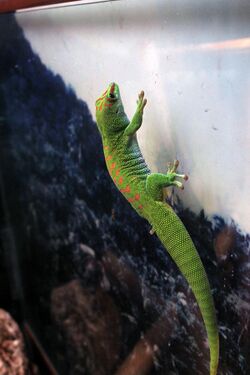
(86, 277)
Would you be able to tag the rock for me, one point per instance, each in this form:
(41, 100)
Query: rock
(224, 242)
(13, 360)
(90, 325)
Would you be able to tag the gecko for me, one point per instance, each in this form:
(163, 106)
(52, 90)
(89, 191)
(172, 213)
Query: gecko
(144, 191)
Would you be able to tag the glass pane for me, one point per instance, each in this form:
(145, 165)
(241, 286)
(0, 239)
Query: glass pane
(95, 267)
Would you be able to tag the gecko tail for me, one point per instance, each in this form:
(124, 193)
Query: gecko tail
(174, 236)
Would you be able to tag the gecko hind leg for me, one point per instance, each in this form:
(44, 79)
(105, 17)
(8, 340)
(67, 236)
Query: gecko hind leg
(171, 172)
(157, 181)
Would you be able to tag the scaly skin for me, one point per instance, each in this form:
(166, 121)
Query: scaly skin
(144, 191)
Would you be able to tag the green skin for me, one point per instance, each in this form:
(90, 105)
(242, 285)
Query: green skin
(144, 191)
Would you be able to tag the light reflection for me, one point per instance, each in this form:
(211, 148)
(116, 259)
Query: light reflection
(231, 44)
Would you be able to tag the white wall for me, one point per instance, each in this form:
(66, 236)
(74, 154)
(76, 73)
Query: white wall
(192, 58)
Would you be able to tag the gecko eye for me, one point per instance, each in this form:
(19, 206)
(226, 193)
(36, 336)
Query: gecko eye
(112, 96)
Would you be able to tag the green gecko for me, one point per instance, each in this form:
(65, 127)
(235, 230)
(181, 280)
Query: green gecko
(144, 191)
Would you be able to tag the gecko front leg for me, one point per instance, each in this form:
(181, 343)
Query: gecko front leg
(136, 121)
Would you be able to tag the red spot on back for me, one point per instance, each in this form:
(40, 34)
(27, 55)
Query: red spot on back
(109, 157)
(140, 207)
(120, 180)
(102, 96)
(126, 190)
(117, 172)
(112, 166)
(137, 197)
(131, 200)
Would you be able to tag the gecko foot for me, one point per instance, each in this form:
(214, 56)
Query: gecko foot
(171, 174)
(141, 102)
(152, 231)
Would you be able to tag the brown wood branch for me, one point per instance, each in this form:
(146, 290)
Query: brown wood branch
(12, 5)
(43, 355)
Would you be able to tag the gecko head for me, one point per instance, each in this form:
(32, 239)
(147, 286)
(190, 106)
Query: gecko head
(109, 109)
